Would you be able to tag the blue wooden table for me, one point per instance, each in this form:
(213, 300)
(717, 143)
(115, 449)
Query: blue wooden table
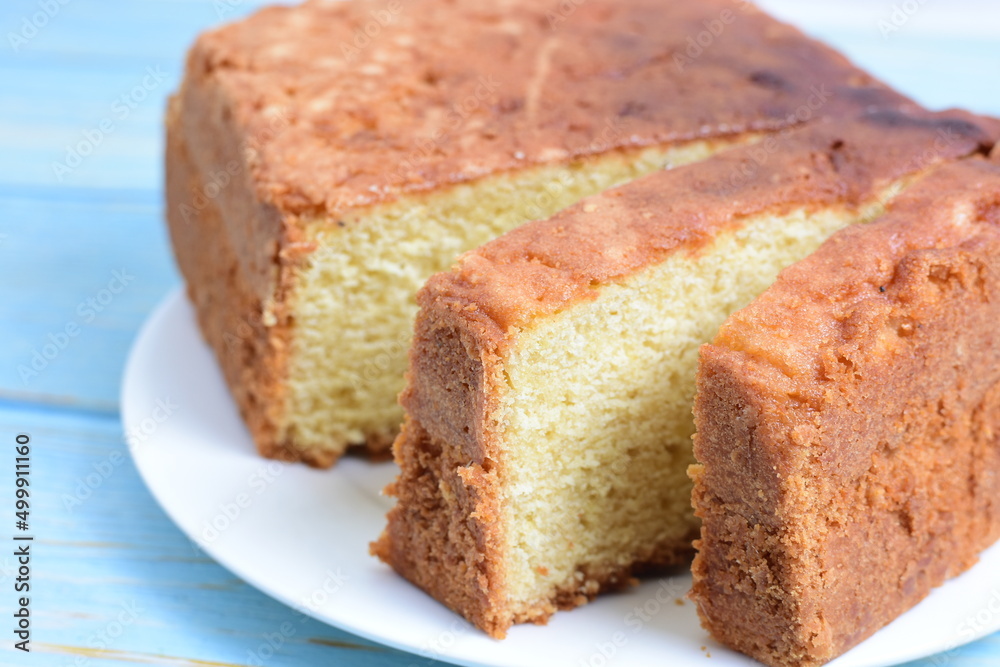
(84, 258)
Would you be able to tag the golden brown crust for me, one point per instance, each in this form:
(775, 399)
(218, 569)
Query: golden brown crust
(544, 266)
(441, 111)
(248, 351)
(848, 427)
(445, 533)
(286, 119)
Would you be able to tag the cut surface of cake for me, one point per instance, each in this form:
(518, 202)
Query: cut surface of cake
(548, 409)
(848, 428)
(317, 173)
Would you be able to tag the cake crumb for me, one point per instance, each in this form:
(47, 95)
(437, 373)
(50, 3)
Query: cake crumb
(679, 602)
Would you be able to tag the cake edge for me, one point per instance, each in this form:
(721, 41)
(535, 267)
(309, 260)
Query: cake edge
(770, 612)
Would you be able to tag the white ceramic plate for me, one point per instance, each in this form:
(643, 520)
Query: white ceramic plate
(301, 536)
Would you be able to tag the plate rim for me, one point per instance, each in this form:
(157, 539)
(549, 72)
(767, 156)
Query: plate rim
(175, 300)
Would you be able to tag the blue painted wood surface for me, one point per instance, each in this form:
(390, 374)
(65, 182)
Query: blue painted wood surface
(114, 582)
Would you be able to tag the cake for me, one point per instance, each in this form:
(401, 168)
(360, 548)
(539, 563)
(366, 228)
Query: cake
(848, 428)
(323, 160)
(548, 424)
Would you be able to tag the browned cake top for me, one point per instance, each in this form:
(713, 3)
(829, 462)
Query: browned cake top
(543, 266)
(822, 305)
(449, 91)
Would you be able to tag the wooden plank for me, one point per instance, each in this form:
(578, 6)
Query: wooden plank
(110, 571)
(65, 254)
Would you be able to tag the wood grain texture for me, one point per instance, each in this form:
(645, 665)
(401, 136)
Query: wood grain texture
(115, 581)
(105, 550)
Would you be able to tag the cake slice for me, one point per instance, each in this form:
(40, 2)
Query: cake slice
(324, 160)
(849, 428)
(548, 410)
